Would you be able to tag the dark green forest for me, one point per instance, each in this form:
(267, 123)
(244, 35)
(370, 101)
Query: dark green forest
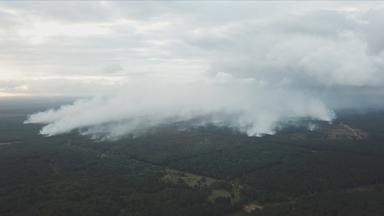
(200, 171)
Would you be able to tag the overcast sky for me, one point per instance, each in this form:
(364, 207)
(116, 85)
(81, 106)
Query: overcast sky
(87, 48)
(248, 65)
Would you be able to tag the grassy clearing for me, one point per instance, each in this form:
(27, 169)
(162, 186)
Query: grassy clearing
(202, 182)
(192, 180)
(219, 194)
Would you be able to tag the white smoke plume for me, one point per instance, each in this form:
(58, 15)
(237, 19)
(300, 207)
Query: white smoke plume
(245, 105)
(246, 65)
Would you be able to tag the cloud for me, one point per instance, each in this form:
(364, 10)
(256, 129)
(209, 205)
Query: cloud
(374, 36)
(113, 68)
(248, 65)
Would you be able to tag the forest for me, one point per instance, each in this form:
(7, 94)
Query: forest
(199, 171)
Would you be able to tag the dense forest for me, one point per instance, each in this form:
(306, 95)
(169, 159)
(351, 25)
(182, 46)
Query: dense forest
(199, 171)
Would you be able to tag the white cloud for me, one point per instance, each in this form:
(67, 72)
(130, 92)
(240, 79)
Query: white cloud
(264, 62)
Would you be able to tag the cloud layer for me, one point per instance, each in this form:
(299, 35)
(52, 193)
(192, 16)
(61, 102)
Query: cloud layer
(249, 65)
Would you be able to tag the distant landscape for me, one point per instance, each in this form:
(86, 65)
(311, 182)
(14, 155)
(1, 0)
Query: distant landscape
(191, 108)
(333, 170)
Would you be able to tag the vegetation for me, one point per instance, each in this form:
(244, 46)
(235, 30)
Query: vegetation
(201, 171)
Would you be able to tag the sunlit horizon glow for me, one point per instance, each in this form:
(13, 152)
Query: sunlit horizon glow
(102, 42)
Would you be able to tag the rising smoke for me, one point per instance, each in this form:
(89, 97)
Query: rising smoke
(244, 105)
(259, 72)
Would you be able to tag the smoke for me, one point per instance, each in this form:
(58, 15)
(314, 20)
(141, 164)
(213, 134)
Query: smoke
(242, 104)
(245, 70)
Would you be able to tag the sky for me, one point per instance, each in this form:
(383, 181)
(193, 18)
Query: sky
(280, 58)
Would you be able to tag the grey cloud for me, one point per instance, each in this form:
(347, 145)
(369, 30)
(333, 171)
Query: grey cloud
(68, 11)
(6, 84)
(308, 50)
(320, 23)
(372, 31)
(113, 68)
(249, 65)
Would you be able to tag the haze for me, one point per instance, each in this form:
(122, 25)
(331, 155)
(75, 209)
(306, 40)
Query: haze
(137, 65)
